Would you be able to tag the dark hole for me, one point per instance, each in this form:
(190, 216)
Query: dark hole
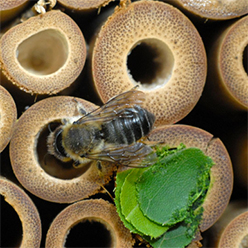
(142, 65)
(11, 227)
(245, 59)
(50, 163)
(89, 234)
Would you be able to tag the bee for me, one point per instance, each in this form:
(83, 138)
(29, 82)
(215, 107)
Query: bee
(114, 132)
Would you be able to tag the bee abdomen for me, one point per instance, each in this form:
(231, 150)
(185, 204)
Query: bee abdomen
(132, 125)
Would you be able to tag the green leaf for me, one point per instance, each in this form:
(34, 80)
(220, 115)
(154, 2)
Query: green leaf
(166, 190)
(120, 178)
(175, 237)
(131, 210)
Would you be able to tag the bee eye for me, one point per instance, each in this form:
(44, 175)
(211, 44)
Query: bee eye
(58, 144)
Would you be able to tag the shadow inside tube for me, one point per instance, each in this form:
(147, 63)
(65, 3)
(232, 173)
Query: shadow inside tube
(89, 233)
(51, 164)
(11, 227)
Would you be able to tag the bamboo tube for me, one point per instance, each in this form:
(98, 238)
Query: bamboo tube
(43, 55)
(8, 116)
(227, 76)
(213, 9)
(153, 45)
(80, 5)
(10, 8)
(43, 174)
(26, 210)
(231, 230)
(96, 210)
(221, 173)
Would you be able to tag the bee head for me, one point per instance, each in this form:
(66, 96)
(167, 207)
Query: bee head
(54, 145)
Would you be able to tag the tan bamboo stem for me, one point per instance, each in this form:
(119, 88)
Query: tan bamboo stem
(82, 5)
(175, 54)
(214, 9)
(221, 173)
(228, 79)
(92, 210)
(26, 210)
(43, 55)
(42, 174)
(9, 9)
(8, 116)
(231, 230)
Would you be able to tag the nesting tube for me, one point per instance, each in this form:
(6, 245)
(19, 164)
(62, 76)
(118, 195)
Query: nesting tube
(153, 45)
(43, 55)
(221, 178)
(96, 210)
(40, 172)
(26, 210)
(231, 230)
(9, 9)
(228, 72)
(84, 5)
(213, 10)
(8, 116)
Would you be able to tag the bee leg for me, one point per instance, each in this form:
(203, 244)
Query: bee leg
(64, 121)
(80, 107)
(81, 163)
(99, 167)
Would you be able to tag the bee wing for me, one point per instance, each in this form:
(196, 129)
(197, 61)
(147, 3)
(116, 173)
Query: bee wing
(135, 155)
(115, 107)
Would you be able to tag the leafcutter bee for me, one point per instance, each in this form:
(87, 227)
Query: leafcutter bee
(114, 132)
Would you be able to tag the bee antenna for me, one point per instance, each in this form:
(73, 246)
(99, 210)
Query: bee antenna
(45, 158)
(49, 128)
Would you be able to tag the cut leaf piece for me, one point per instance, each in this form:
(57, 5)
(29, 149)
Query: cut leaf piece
(120, 178)
(169, 188)
(174, 237)
(130, 207)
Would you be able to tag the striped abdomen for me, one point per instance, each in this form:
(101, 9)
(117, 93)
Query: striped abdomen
(133, 124)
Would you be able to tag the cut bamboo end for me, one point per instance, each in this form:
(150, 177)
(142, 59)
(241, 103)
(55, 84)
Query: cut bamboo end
(26, 210)
(214, 9)
(84, 4)
(89, 210)
(153, 45)
(228, 66)
(236, 233)
(9, 9)
(220, 191)
(8, 117)
(231, 230)
(42, 174)
(43, 55)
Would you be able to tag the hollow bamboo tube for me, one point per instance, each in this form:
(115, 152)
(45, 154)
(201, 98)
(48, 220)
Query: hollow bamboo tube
(9, 9)
(173, 75)
(42, 174)
(227, 76)
(221, 178)
(26, 210)
(231, 230)
(43, 55)
(8, 116)
(93, 210)
(213, 9)
(80, 5)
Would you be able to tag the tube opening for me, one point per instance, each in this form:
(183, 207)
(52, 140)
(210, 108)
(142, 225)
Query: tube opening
(89, 233)
(52, 165)
(43, 53)
(11, 228)
(150, 63)
(245, 59)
